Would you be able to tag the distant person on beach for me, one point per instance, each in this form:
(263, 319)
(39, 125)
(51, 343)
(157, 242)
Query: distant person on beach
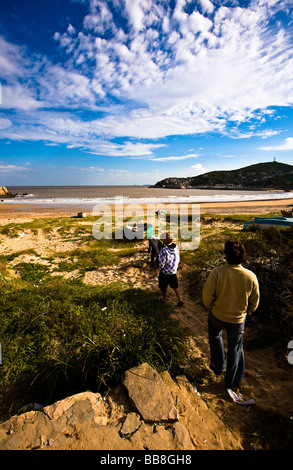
(154, 251)
(230, 293)
(168, 264)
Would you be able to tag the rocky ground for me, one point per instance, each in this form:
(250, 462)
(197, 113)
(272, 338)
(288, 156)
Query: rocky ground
(148, 411)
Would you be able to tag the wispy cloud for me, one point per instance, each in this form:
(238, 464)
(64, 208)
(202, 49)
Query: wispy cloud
(198, 168)
(92, 169)
(5, 168)
(287, 145)
(166, 159)
(128, 149)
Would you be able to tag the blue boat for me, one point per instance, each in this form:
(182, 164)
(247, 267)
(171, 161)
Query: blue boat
(265, 222)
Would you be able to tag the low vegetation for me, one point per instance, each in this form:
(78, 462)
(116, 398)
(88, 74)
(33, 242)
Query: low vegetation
(61, 337)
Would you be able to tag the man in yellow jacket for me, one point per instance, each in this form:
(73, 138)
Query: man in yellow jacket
(230, 293)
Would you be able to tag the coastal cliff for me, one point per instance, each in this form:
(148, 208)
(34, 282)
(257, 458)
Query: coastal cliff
(271, 175)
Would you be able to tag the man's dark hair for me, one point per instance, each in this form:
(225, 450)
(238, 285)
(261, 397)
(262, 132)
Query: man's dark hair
(235, 252)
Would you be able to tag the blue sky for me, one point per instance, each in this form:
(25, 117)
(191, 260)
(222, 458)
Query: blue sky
(125, 92)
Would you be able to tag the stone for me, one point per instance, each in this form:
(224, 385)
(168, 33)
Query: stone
(149, 394)
(3, 191)
(206, 430)
(92, 404)
(138, 414)
(160, 440)
(182, 437)
(131, 424)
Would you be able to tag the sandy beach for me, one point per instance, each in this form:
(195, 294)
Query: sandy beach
(268, 378)
(11, 213)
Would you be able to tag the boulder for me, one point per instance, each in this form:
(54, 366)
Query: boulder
(149, 395)
(3, 191)
(148, 411)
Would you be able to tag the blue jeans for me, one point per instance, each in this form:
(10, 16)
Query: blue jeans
(233, 362)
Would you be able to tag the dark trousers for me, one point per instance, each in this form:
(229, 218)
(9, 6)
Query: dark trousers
(154, 250)
(233, 361)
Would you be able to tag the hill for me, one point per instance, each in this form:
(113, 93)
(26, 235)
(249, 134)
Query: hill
(271, 175)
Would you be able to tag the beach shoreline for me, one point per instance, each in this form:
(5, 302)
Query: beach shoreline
(9, 213)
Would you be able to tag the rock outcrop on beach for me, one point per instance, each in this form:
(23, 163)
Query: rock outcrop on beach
(5, 193)
(147, 411)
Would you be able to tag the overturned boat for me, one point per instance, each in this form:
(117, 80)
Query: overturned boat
(266, 222)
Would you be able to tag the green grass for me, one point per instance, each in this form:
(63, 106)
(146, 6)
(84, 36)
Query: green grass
(61, 337)
(63, 225)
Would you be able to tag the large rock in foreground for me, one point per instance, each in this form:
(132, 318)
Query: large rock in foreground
(148, 411)
(149, 394)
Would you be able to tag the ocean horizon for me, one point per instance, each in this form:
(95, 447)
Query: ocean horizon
(86, 196)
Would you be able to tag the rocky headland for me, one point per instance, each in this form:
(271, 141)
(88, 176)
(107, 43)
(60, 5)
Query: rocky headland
(262, 176)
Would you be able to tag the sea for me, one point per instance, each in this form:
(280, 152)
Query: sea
(87, 197)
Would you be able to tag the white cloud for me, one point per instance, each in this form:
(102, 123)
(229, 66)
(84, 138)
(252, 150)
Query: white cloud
(18, 97)
(121, 174)
(66, 88)
(184, 157)
(165, 159)
(198, 168)
(9, 168)
(71, 30)
(194, 23)
(135, 12)
(129, 149)
(92, 169)
(207, 6)
(100, 18)
(175, 73)
(287, 145)
(11, 59)
(4, 123)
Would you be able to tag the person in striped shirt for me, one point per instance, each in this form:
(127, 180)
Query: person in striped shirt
(169, 259)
